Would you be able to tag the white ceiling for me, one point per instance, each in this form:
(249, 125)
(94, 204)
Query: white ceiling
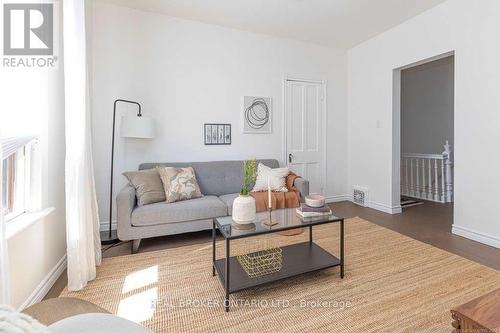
(336, 23)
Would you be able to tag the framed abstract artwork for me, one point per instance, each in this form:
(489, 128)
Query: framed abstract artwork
(257, 115)
(217, 134)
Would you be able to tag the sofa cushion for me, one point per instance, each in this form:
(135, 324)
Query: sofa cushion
(228, 200)
(195, 209)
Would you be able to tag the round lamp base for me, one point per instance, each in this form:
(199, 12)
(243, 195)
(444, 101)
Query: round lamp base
(107, 240)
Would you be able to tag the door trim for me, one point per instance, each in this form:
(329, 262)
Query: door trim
(324, 83)
(396, 126)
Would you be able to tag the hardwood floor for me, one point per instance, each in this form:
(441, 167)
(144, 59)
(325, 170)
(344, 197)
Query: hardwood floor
(429, 223)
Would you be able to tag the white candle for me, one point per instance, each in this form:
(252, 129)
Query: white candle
(269, 192)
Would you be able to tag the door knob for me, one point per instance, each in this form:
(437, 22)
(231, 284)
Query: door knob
(290, 156)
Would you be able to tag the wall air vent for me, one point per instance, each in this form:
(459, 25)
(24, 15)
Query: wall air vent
(360, 196)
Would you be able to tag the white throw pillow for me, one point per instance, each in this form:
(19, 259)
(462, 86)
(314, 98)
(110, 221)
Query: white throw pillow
(277, 178)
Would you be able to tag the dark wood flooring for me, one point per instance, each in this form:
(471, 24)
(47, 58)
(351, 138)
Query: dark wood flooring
(429, 223)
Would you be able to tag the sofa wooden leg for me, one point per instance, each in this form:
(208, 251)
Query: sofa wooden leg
(135, 245)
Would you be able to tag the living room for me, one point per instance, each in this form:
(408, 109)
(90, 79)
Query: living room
(303, 89)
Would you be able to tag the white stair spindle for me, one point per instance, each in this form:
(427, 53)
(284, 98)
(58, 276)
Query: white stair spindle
(406, 177)
(449, 173)
(403, 171)
(429, 192)
(436, 183)
(412, 187)
(443, 176)
(401, 183)
(418, 180)
(424, 194)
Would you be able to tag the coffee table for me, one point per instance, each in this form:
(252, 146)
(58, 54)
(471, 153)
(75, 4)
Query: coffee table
(479, 315)
(298, 258)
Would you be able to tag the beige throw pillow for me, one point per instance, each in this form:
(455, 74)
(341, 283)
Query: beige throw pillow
(179, 184)
(277, 178)
(148, 186)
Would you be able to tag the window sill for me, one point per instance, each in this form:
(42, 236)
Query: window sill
(18, 224)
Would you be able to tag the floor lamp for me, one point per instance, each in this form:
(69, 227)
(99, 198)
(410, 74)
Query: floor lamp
(138, 127)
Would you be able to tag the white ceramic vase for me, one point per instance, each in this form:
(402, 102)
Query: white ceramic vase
(244, 209)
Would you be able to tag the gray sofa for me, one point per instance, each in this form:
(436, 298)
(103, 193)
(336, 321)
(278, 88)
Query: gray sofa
(220, 183)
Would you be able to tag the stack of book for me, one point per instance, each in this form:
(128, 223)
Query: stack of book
(308, 211)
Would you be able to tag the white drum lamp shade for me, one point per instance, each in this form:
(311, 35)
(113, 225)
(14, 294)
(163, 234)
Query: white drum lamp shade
(139, 127)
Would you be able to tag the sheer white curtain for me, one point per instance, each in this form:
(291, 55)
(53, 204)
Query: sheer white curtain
(82, 222)
(4, 263)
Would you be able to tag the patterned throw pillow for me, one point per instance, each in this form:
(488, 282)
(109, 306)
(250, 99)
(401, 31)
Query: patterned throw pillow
(179, 184)
(276, 178)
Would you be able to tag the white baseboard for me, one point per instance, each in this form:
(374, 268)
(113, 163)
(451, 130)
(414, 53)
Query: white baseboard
(43, 288)
(385, 208)
(372, 204)
(476, 236)
(104, 225)
(338, 198)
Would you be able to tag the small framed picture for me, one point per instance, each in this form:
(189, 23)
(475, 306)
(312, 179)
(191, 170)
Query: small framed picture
(217, 134)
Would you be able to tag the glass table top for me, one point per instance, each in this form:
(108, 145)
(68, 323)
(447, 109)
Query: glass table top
(285, 219)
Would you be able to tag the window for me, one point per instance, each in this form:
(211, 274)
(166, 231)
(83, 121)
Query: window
(16, 177)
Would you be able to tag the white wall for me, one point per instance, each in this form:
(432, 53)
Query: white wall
(186, 73)
(471, 31)
(427, 106)
(37, 253)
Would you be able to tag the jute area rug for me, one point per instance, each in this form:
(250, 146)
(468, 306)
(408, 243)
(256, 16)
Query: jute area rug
(392, 284)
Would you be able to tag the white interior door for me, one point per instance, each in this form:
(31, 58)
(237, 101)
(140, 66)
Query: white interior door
(305, 134)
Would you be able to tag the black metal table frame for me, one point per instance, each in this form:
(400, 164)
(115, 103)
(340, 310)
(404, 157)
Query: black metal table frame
(227, 248)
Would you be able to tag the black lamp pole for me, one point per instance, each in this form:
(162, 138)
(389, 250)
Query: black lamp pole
(111, 237)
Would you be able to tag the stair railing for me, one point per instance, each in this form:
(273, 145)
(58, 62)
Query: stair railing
(428, 176)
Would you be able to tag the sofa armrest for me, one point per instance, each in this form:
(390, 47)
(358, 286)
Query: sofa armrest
(125, 204)
(303, 186)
